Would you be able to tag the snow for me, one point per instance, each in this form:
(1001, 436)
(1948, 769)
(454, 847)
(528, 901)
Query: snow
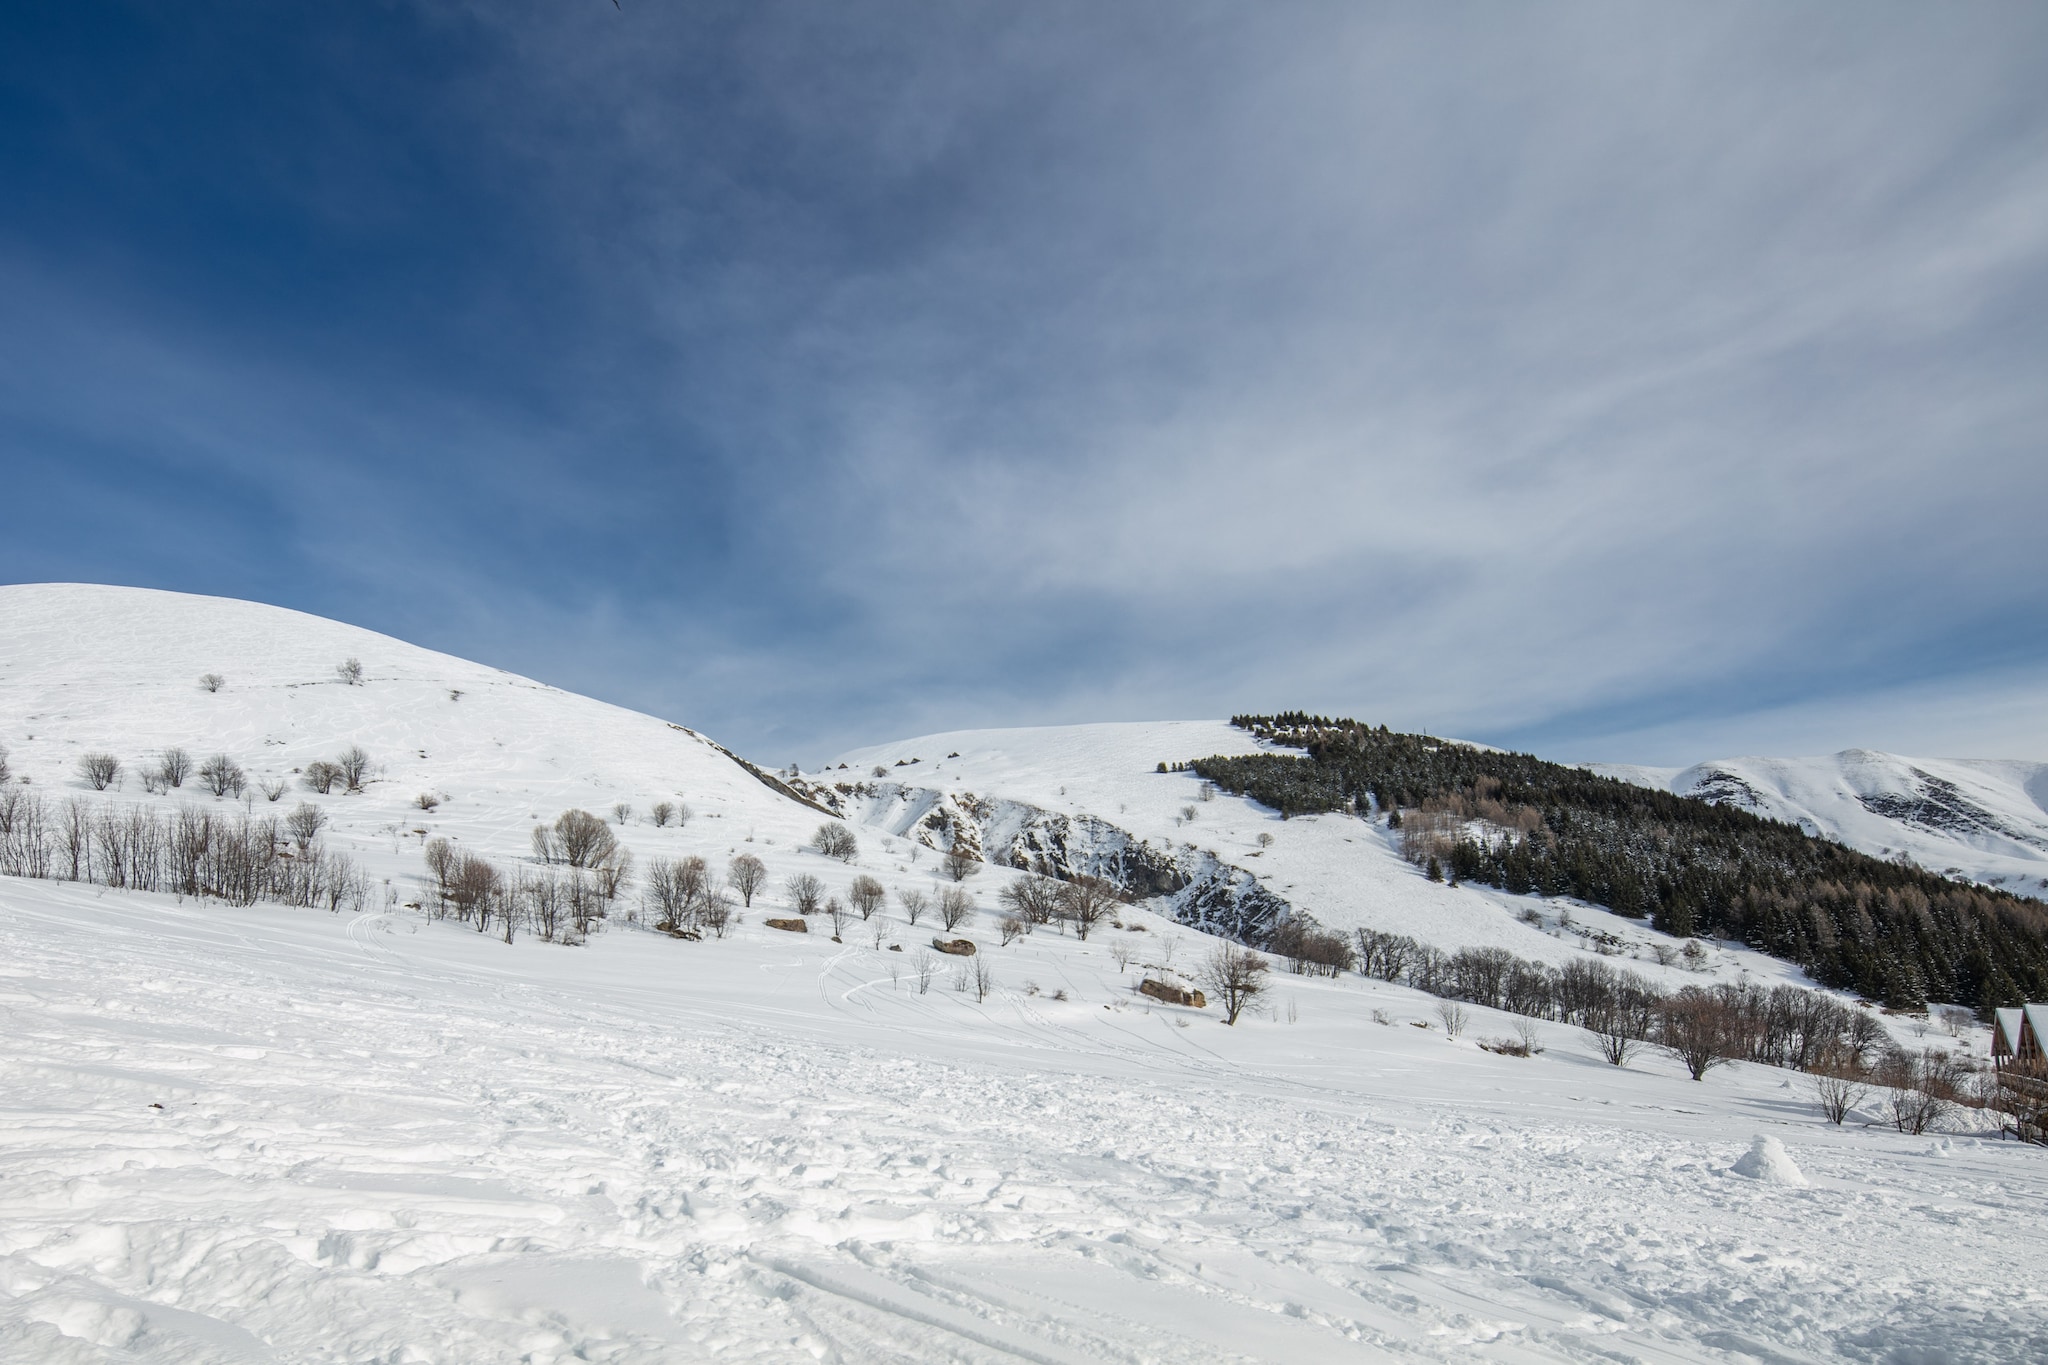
(1985, 820)
(270, 1134)
(1768, 1161)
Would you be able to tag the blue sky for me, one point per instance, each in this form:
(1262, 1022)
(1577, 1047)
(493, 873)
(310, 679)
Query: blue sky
(1633, 382)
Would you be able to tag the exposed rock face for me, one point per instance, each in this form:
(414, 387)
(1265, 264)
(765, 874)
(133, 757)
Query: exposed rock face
(1197, 888)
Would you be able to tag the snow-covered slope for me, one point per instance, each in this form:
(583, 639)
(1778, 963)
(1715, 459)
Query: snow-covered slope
(117, 670)
(1342, 871)
(1981, 819)
(272, 1134)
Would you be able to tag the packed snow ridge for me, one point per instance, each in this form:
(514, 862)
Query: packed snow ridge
(270, 1134)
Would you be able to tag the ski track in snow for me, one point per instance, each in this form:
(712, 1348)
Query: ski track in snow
(386, 1139)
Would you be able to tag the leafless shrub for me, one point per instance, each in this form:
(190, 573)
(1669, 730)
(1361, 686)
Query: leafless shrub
(582, 839)
(1838, 1094)
(927, 968)
(307, 820)
(100, 771)
(836, 912)
(981, 978)
(353, 765)
(1035, 900)
(961, 862)
(663, 812)
(5, 772)
(614, 872)
(350, 672)
(955, 907)
(1311, 951)
(223, 776)
(622, 811)
(747, 874)
(914, 902)
(1085, 902)
(212, 682)
(1453, 1017)
(174, 767)
(1011, 928)
(714, 911)
(1697, 1029)
(805, 893)
(322, 776)
(1922, 1091)
(426, 800)
(835, 840)
(683, 814)
(867, 896)
(1123, 955)
(1236, 976)
(274, 788)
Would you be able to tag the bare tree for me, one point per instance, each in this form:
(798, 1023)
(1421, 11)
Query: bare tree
(5, 771)
(322, 776)
(614, 872)
(100, 771)
(956, 907)
(1453, 1016)
(223, 776)
(350, 671)
(914, 902)
(1838, 1094)
(961, 862)
(748, 875)
(174, 767)
(981, 978)
(714, 910)
(353, 765)
(866, 895)
(307, 820)
(1085, 902)
(212, 682)
(927, 968)
(663, 812)
(805, 892)
(582, 839)
(835, 840)
(1035, 900)
(274, 788)
(1697, 1029)
(663, 896)
(836, 912)
(683, 814)
(622, 811)
(1012, 927)
(1123, 955)
(1237, 976)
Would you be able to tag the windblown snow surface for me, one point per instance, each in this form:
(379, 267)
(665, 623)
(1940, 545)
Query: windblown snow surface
(1983, 820)
(269, 1134)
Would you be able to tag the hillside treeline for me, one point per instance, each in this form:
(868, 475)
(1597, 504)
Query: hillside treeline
(1887, 930)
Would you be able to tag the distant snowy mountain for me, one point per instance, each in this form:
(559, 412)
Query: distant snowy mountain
(1982, 820)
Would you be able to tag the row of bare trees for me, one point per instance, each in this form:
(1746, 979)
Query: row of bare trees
(221, 775)
(1032, 902)
(189, 851)
(555, 907)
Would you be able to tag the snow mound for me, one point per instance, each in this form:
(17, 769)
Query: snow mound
(1768, 1161)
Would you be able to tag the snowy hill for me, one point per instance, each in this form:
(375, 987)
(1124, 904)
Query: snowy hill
(1977, 819)
(264, 1133)
(1015, 792)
